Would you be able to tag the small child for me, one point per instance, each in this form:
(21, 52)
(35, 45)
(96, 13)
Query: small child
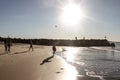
(54, 50)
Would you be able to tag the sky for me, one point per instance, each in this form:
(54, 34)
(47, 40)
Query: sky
(42, 19)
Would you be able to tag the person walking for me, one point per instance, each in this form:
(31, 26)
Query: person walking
(5, 44)
(9, 44)
(113, 45)
(31, 45)
(54, 50)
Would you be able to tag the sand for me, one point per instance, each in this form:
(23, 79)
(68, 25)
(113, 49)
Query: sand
(21, 64)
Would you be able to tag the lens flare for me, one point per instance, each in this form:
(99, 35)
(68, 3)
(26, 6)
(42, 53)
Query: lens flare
(72, 14)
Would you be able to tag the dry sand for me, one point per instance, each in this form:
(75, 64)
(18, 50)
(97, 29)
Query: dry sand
(21, 64)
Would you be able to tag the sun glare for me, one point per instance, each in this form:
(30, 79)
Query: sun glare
(71, 14)
(70, 54)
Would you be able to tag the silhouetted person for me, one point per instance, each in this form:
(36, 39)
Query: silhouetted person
(8, 44)
(5, 44)
(54, 50)
(113, 45)
(31, 45)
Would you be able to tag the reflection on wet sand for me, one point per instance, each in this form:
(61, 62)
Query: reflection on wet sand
(96, 62)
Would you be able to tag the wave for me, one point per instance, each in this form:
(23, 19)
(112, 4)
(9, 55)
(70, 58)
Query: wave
(117, 49)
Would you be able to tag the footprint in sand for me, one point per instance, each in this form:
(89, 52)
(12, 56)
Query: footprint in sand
(61, 68)
(58, 72)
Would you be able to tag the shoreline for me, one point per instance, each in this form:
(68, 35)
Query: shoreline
(79, 76)
(24, 64)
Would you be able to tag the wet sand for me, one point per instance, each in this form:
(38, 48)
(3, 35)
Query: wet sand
(97, 63)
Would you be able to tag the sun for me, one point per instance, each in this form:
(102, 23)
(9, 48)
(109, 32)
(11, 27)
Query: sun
(71, 14)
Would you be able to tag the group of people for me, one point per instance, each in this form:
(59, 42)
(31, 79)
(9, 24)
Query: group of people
(8, 44)
(31, 47)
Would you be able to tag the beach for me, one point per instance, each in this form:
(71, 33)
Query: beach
(59, 40)
(69, 63)
(21, 64)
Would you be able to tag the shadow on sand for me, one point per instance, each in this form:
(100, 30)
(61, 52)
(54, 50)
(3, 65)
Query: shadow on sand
(14, 53)
(3, 53)
(47, 60)
(21, 52)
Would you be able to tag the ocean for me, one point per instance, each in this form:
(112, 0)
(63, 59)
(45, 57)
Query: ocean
(101, 62)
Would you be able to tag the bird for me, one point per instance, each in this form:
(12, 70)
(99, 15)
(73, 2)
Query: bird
(56, 26)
